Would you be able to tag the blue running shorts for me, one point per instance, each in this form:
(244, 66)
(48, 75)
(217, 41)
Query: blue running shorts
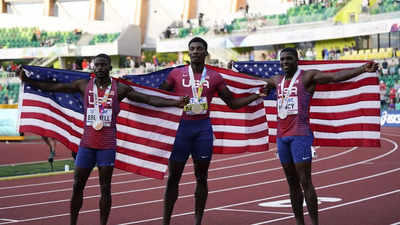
(194, 137)
(295, 148)
(89, 157)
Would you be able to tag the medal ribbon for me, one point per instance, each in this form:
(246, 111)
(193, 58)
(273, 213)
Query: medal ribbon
(197, 94)
(294, 78)
(99, 109)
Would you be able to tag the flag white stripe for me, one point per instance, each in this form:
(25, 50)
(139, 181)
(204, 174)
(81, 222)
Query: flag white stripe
(148, 119)
(50, 126)
(239, 129)
(242, 116)
(349, 135)
(144, 149)
(370, 89)
(331, 66)
(353, 120)
(141, 163)
(239, 143)
(346, 108)
(252, 82)
(147, 134)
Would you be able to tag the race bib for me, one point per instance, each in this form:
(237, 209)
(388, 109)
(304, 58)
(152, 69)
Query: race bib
(105, 116)
(292, 106)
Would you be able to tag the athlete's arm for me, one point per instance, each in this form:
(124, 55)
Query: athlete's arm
(235, 103)
(128, 92)
(166, 86)
(75, 86)
(320, 77)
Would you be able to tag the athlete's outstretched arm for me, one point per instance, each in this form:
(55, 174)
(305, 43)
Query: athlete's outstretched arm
(75, 86)
(235, 103)
(319, 77)
(128, 92)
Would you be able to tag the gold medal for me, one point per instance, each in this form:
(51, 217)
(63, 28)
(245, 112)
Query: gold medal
(196, 108)
(97, 125)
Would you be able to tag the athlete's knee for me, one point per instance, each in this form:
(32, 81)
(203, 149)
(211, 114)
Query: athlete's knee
(306, 183)
(292, 180)
(105, 189)
(78, 186)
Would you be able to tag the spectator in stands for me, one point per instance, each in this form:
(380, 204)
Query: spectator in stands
(385, 69)
(392, 66)
(365, 6)
(84, 64)
(382, 91)
(200, 18)
(397, 106)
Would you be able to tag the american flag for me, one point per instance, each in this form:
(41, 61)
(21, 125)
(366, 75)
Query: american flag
(145, 134)
(341, 114)
(236, 131)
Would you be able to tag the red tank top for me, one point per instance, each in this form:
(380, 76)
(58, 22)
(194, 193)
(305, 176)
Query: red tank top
(295, 124)
(106, 137)
(180, 80)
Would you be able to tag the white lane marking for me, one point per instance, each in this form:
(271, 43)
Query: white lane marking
(256, 211)
(285, 203)
(130, 181)
(124, 174)
(160, 187)
(240, 187)
(333, 207)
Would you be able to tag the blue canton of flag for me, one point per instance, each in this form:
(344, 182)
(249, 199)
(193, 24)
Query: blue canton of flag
(73, 101)
(261, 69)
(153, 80)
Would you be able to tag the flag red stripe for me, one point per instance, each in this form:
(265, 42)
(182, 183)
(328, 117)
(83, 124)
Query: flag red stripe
(235, 150)
(237, 136)
(49, 133)
(143, 141)
(347, 142)
(237, 122)
(345, 128)
(347, 85)
(225, 108)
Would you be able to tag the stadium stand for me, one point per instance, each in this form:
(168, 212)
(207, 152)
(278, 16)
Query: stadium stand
(104, 38)
(22, 37)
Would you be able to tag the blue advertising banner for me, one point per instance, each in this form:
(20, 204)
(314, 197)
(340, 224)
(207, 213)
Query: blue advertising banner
(390, 118)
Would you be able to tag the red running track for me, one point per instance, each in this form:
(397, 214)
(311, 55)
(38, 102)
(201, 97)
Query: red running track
(355, 186)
